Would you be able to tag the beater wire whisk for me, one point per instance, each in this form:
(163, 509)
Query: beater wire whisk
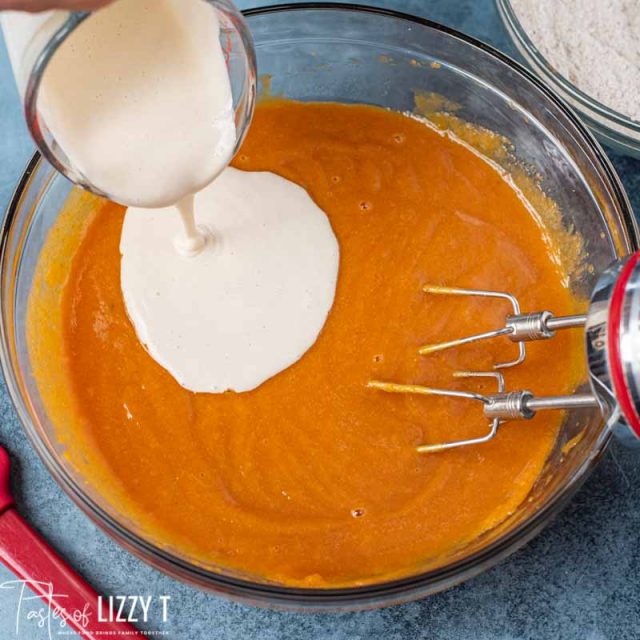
(390, 387)
(612, 345)
(498, 407)
(519, 327)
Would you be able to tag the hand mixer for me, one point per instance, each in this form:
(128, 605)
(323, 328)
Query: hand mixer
(612, 344)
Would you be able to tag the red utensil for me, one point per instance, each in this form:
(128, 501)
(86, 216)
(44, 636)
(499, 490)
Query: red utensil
(28, 556)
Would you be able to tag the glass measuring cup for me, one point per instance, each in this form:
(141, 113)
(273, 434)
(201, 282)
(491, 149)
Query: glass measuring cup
(33, 40)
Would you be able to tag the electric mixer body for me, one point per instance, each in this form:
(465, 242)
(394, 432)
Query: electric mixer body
(612, 341)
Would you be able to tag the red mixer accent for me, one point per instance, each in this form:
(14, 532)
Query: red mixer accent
(618, 378)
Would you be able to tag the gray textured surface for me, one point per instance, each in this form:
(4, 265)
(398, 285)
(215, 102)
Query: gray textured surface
(579, 579)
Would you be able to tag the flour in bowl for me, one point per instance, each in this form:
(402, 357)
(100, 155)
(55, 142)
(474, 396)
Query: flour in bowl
(595, 44)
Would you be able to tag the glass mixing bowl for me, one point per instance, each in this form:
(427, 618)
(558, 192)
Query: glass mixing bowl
(357, 54)
(613, 128)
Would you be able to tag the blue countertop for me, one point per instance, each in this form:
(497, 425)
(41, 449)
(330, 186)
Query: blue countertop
(579, 579)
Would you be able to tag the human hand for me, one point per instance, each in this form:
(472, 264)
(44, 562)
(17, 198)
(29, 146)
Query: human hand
(44, 5)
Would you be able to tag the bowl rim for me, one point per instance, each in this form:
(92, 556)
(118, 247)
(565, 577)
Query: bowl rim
(520, 38)
(304, 598)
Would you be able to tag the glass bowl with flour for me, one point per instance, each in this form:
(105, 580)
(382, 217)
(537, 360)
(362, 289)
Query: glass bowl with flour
(588, 52)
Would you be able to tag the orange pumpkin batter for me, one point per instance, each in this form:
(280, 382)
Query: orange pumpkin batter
(313, 479)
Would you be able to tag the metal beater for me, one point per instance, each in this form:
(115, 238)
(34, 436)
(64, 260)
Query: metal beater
(612, 343)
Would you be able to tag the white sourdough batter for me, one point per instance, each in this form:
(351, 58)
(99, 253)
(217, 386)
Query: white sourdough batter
(251, 301)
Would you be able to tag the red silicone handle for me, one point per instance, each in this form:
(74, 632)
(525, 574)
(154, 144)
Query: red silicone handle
(27, 555)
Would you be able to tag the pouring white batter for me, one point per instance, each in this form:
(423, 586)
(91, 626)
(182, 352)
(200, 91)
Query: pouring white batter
(140, 100)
